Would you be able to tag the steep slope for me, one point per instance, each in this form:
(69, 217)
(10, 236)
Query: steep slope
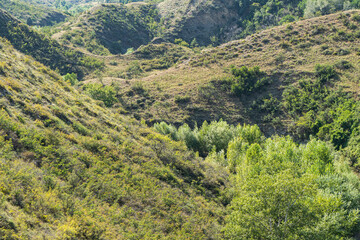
(43, 49)
(72, 169)
(32, 14)
(111, 28)
(200, 20)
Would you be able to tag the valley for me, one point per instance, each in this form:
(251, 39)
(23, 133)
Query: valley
(179, 119)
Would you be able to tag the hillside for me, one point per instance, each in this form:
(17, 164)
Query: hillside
(256, 138)
(191, 91)
(43, 49)
(72, 169)
(197, 22)
(111, 28)
(33, 14)
(200, 20)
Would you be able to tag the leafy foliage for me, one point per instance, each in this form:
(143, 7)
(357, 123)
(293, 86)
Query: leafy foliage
(246, 80)
(97, 91)
(71, 78)
(209, 137)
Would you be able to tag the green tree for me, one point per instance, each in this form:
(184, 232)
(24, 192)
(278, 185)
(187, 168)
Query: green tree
(97, 91)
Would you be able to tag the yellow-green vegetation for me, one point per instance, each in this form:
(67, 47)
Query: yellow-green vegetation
(72, 169)
(78, 159)
(33, 14)
(44, 49)
(278, 189)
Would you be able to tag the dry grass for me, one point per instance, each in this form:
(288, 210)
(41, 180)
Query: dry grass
(287, 53)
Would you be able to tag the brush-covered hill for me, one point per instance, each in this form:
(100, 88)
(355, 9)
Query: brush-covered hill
(73, 169)
(33, 14)
(74, 165)
(111, 28)
(44, 49)
(302, 68)
(115, 28)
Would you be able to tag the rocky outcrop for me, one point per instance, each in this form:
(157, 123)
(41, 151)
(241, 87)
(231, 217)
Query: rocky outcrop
(205, 20)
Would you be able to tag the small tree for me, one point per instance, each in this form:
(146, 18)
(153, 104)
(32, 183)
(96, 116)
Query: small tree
(97, 91)
(71, 78)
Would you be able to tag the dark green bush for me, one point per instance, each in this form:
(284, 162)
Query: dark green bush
(325, 72)
(182, 99)
(97, 91)
(245, 80)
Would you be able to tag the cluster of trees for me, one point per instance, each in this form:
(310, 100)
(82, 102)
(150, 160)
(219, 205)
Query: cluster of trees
(260, 14)
(278, 189)
(319, 110)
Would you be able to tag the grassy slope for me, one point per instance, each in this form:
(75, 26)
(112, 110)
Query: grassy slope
(110, 28)
(43, 49)
(72, 169)
(40, 15)
(287, 53)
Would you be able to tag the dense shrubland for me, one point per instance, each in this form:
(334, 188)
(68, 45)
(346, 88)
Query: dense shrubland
(46, 50)
(72, 169)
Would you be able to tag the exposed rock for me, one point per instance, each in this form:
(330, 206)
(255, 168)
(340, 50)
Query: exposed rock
(200, 19)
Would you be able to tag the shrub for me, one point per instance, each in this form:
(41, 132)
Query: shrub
(182, 99)
(71, 78)
(246, 80)
(343, 65)
(139, 88)
(206, 92)
(97, 91)
(325, 72)
(181, 42)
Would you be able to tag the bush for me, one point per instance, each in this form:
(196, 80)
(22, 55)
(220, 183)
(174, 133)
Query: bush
(97, 91)
(71, 78)
(182, 99)
(325, 72)
(246, 80)
(207, 92)
(139, 88)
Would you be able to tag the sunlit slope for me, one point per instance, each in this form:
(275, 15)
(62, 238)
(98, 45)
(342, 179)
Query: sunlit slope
(43, 49)
(193, 90)
(73, 169)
